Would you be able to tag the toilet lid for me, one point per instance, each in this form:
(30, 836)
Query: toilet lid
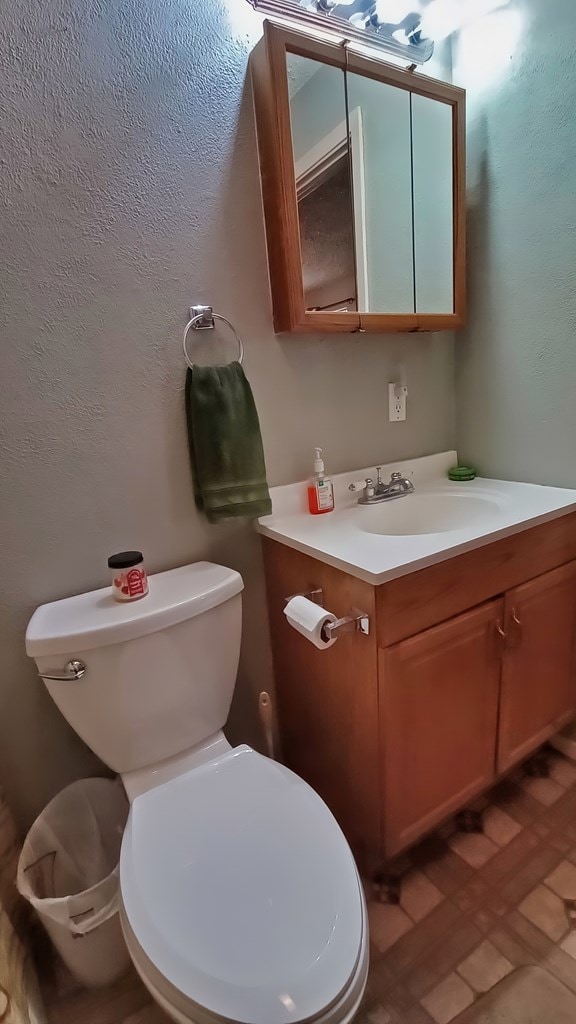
(241, 889)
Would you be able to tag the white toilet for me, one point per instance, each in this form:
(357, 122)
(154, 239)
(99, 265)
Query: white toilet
(240, 898)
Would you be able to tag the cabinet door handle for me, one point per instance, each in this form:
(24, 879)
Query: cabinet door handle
(500, 642)
(517, 635)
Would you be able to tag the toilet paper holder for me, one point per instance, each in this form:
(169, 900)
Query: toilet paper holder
(356, 622)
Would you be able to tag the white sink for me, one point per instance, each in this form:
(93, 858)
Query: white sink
(378, 543)
(416, 514)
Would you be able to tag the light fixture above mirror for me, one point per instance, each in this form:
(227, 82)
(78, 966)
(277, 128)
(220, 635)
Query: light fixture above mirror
(391, 25)
(406, 29)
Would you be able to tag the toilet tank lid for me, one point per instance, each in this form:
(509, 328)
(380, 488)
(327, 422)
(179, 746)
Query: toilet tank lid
(97, 620)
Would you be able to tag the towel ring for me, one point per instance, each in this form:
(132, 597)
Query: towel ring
(195, 324)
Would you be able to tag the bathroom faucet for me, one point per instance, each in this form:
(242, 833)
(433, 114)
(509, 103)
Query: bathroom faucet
(397, 487)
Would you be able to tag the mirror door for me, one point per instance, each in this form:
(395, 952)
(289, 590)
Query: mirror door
(324, 189)
(432, 197)
(384, 113)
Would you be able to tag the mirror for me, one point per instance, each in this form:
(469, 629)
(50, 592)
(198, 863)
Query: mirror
(385, 152)
(433, 202)
(323, 184)
(373, 170)
(362, 168)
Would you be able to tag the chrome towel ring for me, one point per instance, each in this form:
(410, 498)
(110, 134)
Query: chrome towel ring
(203, 320)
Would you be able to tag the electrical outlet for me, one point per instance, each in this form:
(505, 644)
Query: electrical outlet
(397, 394)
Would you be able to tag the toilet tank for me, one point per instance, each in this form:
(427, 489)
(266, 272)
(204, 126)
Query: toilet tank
(160, 672)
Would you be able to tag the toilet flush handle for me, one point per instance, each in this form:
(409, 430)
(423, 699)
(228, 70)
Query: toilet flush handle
(72, 670)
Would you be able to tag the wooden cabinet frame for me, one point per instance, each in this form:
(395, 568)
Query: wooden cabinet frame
(332, 704)
(272, 108)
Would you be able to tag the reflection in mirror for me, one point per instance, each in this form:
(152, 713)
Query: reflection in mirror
(433, 205)
(408, 197)
(374, 183)
(323, 184)
(387, 193)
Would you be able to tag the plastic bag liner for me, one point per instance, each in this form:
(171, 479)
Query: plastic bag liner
(68, 870)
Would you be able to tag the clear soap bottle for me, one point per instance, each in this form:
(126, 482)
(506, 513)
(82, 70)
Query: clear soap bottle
(320, 489)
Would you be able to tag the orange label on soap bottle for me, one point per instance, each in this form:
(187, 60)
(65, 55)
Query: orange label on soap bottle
(320, 497)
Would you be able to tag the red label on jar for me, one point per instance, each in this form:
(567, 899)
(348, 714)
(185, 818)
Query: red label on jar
(130, 585)
(136, 581)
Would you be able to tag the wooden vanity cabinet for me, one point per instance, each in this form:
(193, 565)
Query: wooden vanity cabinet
(468, 668)
(537, 691)
(438, 711)
(327, 701)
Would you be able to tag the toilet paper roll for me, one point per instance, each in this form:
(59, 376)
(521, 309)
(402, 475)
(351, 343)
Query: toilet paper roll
(309, 618)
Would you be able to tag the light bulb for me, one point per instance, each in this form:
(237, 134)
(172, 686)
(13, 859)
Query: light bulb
(358, 20)
(441, 18)
(483, 51)
(334, 3)
(392, 12)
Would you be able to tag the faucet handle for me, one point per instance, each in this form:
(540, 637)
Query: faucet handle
(403, 482)
(369, 488)
(361, 485)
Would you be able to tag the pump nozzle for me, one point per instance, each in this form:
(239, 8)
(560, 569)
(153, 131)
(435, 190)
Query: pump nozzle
(318, 463)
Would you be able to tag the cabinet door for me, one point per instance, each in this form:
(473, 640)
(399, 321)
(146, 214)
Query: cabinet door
(538, 680)
(438, 717)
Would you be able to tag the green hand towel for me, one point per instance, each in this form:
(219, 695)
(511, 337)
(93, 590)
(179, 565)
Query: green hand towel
(225, 444)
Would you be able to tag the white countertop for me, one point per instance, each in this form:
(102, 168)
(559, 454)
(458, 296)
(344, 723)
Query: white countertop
(373, 542)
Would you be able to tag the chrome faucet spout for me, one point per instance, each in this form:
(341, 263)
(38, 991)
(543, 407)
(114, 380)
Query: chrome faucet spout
(397, 487)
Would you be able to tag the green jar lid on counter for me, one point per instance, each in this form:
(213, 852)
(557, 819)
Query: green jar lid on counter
(461, 473)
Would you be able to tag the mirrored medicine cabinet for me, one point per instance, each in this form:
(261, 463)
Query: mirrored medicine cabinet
(362, 167)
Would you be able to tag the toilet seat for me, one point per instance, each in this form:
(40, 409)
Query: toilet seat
(240, 895)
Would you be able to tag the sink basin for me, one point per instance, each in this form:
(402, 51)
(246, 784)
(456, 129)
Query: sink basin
(441, 519)
(417, 514)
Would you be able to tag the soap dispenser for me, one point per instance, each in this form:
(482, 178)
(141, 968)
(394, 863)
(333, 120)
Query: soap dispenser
(320, 489)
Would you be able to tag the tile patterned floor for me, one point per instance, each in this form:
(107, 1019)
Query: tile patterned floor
(472, 908)
(127, 1002)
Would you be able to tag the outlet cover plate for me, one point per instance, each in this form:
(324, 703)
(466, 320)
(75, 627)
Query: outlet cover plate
(397, 394)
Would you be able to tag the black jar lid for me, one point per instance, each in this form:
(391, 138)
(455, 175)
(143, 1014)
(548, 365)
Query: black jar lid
(125, 559)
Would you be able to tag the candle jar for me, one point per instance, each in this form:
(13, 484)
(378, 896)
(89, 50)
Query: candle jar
(129, 579)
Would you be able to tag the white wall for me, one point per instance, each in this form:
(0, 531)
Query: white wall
(516, 362)
(129, 190)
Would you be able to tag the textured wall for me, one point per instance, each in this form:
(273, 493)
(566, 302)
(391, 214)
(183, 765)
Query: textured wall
(516, 381)
(129, 190)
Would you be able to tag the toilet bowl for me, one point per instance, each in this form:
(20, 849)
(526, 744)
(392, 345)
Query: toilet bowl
(239, 896)
(260, 919)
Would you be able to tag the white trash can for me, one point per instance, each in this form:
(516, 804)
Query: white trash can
(68, 871)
